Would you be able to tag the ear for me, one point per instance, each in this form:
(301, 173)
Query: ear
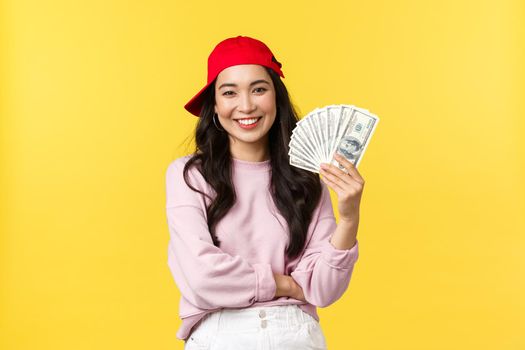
(215, 108)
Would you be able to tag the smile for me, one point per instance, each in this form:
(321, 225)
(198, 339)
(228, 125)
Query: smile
(248, 123)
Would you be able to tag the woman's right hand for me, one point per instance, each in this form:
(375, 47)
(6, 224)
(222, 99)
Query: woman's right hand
(286, 286)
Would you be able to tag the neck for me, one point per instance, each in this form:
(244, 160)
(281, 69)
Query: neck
(250, 152)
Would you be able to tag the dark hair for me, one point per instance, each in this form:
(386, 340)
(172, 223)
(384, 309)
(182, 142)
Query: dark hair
(295, 192)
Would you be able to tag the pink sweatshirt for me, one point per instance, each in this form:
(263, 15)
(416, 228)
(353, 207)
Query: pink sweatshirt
(253, 238)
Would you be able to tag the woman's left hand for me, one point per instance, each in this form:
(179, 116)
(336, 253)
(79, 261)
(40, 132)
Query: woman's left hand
(349, 187)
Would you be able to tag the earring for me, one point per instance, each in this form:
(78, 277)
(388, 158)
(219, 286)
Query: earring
(216, 123)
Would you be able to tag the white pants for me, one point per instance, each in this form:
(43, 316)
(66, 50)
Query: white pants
(283, 327)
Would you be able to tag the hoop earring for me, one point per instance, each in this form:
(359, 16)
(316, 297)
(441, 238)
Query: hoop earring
(216, 123)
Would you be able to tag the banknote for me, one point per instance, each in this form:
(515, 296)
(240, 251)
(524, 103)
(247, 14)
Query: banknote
(355, 138)
(345, 129)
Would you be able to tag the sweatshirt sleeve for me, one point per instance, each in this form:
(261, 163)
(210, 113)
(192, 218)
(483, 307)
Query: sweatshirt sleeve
(324, 272)
(205, 275)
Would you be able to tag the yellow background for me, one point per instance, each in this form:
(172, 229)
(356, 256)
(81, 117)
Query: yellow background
(91, 115)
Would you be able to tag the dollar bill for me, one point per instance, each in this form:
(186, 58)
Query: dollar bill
(355, 138)
(312, 130)
(304, 141)
(322, 119)
(345, 129)
(303, 165)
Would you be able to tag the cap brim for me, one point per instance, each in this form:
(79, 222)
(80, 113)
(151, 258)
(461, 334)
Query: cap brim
(194, 105)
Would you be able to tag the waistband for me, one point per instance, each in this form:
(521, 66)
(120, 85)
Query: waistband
(254, 318)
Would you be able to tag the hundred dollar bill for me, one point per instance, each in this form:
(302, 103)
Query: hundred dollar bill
(297, 147)
(345, 129)
(302, 164)
(343, 119)
(322, 119)
(300, 156)
(355, 137)
(304, 134)
(333, 113)
(312, 129)
(301, 140)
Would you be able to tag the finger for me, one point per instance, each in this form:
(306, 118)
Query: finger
(346, 178)
(330, 181)
(352, 170)
(335, 178)
(332, 169)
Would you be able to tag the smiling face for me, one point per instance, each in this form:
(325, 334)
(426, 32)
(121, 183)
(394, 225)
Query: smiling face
(245, 106)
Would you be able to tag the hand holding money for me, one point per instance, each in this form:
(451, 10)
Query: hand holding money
(345, 129)
(348, 186)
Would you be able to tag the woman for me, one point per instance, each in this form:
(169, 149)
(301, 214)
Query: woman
(254, 247)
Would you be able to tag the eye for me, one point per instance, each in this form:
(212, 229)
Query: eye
(259, 90)
(228, 93)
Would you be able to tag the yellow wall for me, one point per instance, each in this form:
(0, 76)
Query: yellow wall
(91, 115)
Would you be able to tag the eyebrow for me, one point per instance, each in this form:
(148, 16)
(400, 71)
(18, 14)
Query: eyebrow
(251, 84)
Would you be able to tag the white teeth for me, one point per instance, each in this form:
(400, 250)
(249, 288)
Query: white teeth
(247, 121)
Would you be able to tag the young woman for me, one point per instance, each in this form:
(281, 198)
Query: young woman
(254, 247)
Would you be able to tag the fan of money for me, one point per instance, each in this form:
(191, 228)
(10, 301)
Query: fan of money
(344, 129)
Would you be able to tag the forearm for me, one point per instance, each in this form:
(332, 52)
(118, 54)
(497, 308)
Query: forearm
(324, 277)
(287, 287)
(345, 235)
(283, 284)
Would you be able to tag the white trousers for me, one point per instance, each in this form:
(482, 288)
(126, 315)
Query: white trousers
(283, 327)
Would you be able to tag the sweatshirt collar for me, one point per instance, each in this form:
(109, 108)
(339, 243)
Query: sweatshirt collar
(247, 165)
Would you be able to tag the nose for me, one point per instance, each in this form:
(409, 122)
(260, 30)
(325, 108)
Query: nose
(246, 104)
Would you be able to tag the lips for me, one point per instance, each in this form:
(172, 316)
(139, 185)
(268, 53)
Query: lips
(248, 123)
(248, 118)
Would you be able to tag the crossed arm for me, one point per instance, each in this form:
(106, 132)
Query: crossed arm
(209, 278)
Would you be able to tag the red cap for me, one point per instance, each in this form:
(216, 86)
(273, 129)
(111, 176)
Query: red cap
(232, 52)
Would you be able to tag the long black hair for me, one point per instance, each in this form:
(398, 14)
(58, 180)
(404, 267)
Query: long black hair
(295, 192)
